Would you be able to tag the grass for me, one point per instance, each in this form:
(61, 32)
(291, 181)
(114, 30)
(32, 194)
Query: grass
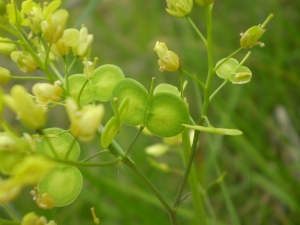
(261, 185)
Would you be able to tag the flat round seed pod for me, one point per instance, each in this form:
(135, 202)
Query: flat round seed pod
(226, 69)
(61, 141)
(166, 88)
(166, 114)
(138, 96)
(241, 76)
(76, 83)
(63, 183)
(104, 80)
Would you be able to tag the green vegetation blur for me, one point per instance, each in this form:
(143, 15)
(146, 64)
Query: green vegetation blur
(260, 169)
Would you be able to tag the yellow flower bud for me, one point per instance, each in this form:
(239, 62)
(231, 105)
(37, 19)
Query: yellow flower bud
(4, 75)
(69, 39)
(204, 2)
(84, 121)
(22, 104)
(25, 61)
(6, 48)
(84, 43)
(53, 27)
(168, 60)
(45, 201)
(9, 190)
(46, 92)
(33, 219)
(179, 8)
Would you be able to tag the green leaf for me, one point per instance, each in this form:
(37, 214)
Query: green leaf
(63, 183)
(223, 131)
(60, 142)
(166, 114)
(104, 80)
(138, 96)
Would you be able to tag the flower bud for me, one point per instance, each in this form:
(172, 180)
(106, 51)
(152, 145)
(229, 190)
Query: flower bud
(46, 92)
(69, 39)
(6, 48)
(251, 36)
(168, 60)
(45, 201)
(179, 8)
(84, 121)
(22, 104)
(204, 2)
(35, 17)
(85, 40)
(53, 27)
(4, 75)
(25, 61)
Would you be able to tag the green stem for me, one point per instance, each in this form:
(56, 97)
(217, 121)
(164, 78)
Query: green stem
(12, 42)
(81, 90)
(48, 54)
(55, 214)
(72, 63)
(195, 79)
(57, 73)
(66, 74)
(28, 78)
(8, 30)
(197, 30)
(133, 141)
(95, 155)
(204, 108)
(171, 212)
(10, 213)
(218, 89)
(89, 164)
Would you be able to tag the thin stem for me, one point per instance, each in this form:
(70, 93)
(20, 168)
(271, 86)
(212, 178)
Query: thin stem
(133, 141)
(228, 57)
(72, 63)
(47, 55)
(10, 213)
(48, 142)
(66, 74)
(8, 30)
(95, 155)
(55, 214)
(57, 73)
(28, 78)
(81, 90)
(70, 148)
(89, 164)
(195, 79)
(197, 30)
(172, 213)
(218, 89)
(12, 42)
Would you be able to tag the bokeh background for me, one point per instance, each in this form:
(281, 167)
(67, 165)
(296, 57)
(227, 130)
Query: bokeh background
(260, 169)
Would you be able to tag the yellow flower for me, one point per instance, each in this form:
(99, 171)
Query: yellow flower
(69, 39)
(22, 104)
(46, 92)
(84, 121)
(179, 8)
(25, 61)
(168, 60)
(83, 47)
(53, 27)
(4, 75)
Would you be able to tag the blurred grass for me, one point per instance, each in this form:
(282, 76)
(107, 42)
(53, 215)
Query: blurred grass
(262, 166)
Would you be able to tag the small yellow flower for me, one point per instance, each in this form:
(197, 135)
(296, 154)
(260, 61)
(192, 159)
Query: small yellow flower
(179, 8)
(168, 60)
(25, 61)
(68, 40)
(6, 48)
(82, 49)
(4, 75)
(84, 121)
(46, 92)
(53, 27)
(22, 104)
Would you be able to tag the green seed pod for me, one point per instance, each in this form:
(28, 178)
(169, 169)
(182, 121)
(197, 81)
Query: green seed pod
(63, 183)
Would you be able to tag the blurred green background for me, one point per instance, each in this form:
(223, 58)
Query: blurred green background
(262, 166)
